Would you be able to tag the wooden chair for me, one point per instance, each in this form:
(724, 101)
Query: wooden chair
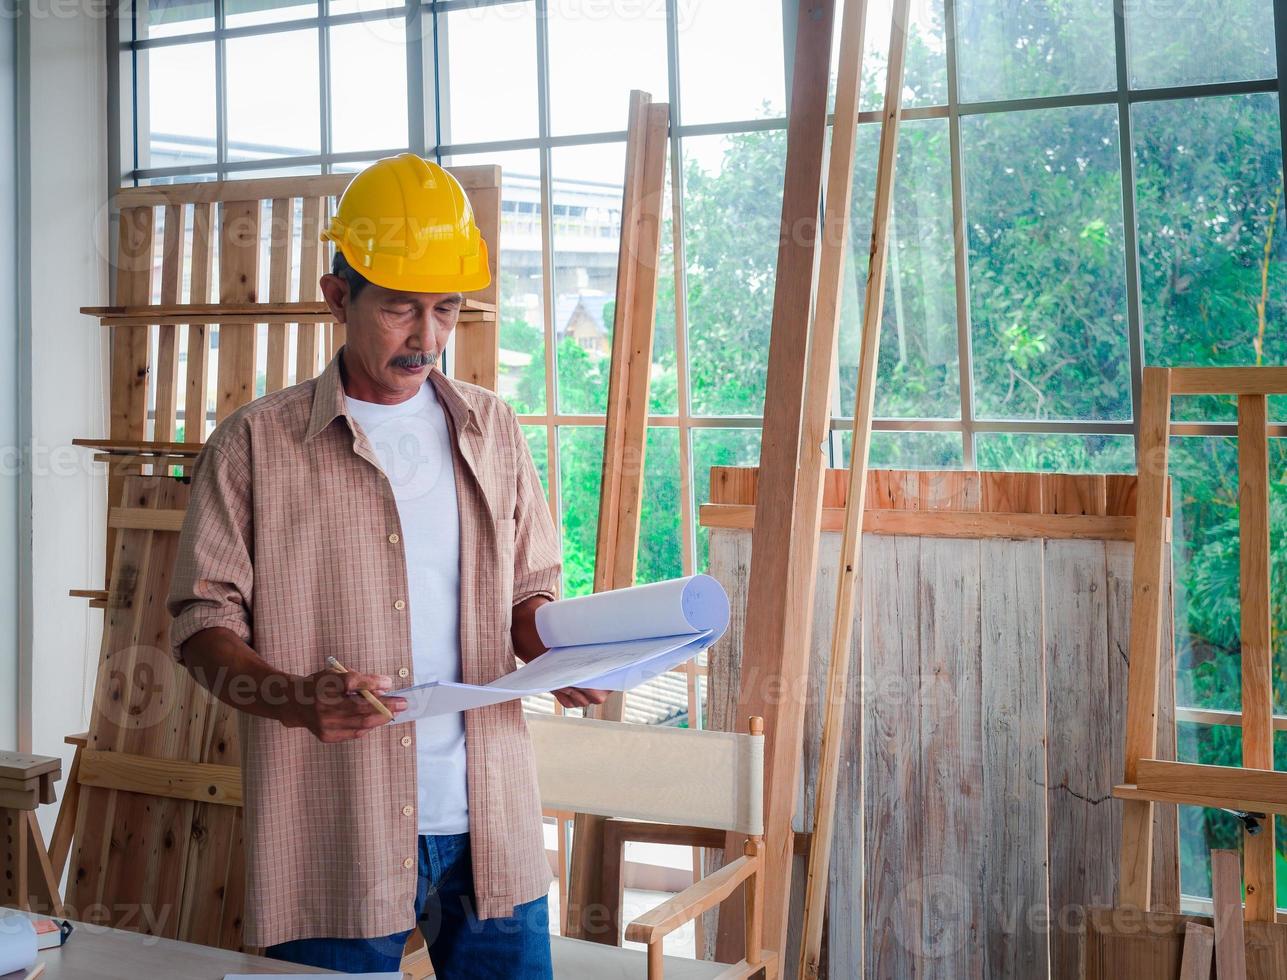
(713, 780)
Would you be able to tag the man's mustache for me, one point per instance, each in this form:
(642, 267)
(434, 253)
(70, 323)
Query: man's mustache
(416, 360)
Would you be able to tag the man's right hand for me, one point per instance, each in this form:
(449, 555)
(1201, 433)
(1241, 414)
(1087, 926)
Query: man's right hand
(330, 706)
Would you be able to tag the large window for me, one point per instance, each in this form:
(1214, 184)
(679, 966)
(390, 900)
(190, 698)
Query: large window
(1083, 188)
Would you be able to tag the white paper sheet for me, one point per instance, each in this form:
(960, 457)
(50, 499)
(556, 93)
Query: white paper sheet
(17, 943)
(612, 641)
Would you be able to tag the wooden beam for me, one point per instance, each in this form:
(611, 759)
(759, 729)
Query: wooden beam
(167, 346)
(1234, 787)
(197, 392)
(129, 347)
(1257, 643)
(1226, 896)
(177, 779)
(477, 349)
(946, 523)
(1229, 380)
(826, 331)
(281, 235)
(262, 188)
(624, 447)
(1135, 870)
(146, 518)
(785, 539)
(310, 273)
(238, 283)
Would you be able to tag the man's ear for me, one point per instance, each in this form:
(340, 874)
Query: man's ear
(335, 290)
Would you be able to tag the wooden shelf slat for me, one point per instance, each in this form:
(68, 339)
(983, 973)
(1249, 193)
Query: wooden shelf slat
(1229, 381)
(946, 523)
(305, 312)
(140, 446)
(1227, 787)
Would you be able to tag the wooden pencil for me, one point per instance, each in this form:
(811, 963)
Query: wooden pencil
(371, 698)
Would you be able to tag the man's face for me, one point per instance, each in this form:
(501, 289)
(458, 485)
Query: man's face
(393, 338)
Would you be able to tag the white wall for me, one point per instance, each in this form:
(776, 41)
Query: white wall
(11, 482)
(67, 268)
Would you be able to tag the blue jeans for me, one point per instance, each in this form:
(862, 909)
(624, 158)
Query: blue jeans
(460, 944)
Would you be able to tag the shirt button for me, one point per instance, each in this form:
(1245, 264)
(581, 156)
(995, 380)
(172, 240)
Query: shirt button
(409, 863)
(399, 605)
(408, 810)
(393, 539)
(406, 740)
(403, 672)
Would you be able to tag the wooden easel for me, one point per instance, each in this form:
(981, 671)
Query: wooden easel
(1254, 787)
(152, 812)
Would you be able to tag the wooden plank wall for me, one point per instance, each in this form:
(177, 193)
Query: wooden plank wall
(994, 687)
(163, 866)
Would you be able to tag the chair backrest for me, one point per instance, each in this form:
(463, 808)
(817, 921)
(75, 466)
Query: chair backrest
(643, 772)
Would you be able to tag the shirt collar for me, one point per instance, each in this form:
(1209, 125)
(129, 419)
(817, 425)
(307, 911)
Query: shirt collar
(329, 401)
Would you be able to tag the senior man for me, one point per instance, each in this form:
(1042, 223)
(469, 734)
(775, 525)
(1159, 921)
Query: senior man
(392, 518)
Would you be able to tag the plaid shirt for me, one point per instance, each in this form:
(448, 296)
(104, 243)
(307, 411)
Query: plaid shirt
(292, 541)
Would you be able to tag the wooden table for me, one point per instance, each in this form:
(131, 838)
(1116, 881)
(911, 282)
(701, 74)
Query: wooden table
(100, 953)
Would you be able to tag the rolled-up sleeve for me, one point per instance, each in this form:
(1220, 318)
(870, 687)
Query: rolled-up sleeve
(214, 571)
(538, 555)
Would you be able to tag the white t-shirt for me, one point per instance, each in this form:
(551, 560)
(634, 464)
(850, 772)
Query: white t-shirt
(414, 448)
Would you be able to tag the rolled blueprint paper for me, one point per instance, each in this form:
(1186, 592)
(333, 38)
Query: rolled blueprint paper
(696, 604)
(17, 943)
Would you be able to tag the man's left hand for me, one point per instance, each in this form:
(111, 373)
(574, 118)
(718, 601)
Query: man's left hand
(580, 697)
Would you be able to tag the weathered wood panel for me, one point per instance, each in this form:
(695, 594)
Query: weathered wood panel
(1015, 869)
(994, 682)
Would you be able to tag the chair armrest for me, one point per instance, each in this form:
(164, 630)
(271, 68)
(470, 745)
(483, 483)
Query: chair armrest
(692, 901)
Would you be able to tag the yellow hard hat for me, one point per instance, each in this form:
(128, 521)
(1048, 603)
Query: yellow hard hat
(405, 223)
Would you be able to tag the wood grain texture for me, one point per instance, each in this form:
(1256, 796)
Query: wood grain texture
(1079, 755)
(951, 757)
(895, 801)
(238, 283)
(197, 393)
(1199, 952)
(1229, 380)
(937, 906)
(127, 405)
(167, 347)
(1226, 899)
(1146, 630)
(1257, 639)
(1119, 557)
(310, 272)
(1015, 869)
(281, 234)
(1129, 942)
(780, 590)
(946, 524)
(822, 352)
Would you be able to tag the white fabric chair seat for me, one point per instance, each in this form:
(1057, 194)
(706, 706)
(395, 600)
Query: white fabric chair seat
(575, 959)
